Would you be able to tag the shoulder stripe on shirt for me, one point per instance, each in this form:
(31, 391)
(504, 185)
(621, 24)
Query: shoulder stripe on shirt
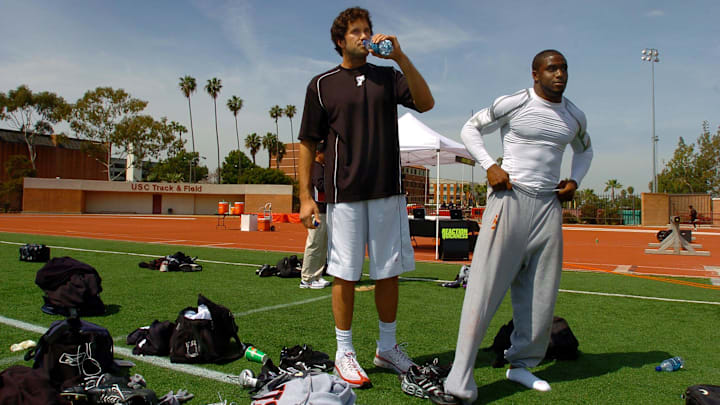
(581, 131)
(318, 85)
(492, 108)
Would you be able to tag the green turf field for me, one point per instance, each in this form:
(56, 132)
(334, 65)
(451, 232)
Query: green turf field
(621, 339)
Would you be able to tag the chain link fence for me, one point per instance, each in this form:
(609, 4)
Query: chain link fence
(603, 209)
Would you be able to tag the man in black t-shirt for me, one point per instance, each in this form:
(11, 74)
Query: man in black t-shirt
(353, 109)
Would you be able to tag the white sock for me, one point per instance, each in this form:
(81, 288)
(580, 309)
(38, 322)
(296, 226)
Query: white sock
(344, 342)
(387, 336)
(528, 379)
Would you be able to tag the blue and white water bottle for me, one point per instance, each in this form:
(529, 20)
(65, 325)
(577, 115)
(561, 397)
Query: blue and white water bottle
(672, 364)
(383, 48)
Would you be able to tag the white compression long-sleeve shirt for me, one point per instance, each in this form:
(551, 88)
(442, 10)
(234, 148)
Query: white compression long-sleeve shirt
(534, 133)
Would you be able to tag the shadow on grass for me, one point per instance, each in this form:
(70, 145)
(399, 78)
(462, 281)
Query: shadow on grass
(110, 309)
(588, 365)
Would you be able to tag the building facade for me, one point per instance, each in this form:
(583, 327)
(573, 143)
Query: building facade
(55, 156)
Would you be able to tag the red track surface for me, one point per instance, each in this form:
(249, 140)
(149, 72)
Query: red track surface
(586, 247)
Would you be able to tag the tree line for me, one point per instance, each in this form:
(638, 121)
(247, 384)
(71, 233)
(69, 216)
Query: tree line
(117, 127)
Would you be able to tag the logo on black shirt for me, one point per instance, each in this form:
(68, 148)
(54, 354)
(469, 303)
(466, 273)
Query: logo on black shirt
(360, 80)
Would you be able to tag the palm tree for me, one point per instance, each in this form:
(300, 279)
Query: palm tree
(290, 112)
(213, 87)
(177, 127)
(187, 86)
(611, 185)
(234, 104)
(282, 150)
(275, 113)
(253, 142)
(630, 190)
(269, 142)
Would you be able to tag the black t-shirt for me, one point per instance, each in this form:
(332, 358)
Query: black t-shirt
(355, 112)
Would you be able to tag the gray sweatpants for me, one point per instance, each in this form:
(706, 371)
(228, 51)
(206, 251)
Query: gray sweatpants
(519, 246)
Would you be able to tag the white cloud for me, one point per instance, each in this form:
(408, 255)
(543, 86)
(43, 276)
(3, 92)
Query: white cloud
(428, 38)
(655, 13)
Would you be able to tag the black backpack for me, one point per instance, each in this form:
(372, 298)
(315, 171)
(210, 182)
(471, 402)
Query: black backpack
(563, 343)
(289, 267)
(34, 253)
(73, 351)
(152, 340)
(702, 394)
(206, 340)
(27, 386)
(70, 284)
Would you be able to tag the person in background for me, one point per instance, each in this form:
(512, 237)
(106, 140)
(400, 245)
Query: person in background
(315, 257)
(693, 217)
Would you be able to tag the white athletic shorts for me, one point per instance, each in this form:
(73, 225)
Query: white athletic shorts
(382, 226)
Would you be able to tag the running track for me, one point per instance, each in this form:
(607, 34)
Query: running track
(595, 248)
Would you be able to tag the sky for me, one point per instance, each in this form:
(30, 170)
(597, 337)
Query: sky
(469, 51)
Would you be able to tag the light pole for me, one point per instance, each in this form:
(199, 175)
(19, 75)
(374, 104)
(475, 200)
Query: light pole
(651, 55)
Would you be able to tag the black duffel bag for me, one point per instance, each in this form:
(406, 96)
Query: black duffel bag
(31, 252)
(702, 394)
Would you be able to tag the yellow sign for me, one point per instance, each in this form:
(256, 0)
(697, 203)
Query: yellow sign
(454, 233)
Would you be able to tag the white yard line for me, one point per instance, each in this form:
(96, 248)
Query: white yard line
(273, 307)
(621, 230)
(125, 352)
(640, 297)
(130, 254)
(13, 359)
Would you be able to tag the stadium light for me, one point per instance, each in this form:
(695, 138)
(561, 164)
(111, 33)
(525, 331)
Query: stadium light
(651, 55)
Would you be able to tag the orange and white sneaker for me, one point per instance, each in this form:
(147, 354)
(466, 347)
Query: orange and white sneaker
(348, 368)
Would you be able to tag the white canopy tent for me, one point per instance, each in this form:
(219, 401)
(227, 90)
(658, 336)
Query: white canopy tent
(420, 146)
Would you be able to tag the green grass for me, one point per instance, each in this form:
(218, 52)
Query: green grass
(621, 339)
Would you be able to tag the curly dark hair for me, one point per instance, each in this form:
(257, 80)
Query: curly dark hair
(340, 25)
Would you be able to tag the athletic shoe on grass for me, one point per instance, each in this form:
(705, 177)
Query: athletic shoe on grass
(427, 382)
(348, 368)
(301, 358)
(315, 284)
(394, 359)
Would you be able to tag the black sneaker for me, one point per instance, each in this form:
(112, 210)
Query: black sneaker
(301, 358)
(428, 382)
(266, 270)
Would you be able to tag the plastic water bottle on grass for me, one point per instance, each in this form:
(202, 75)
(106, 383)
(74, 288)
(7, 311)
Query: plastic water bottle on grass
(672, 364)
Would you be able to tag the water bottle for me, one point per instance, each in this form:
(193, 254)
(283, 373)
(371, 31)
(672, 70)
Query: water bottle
(672, 364)
(383, 48)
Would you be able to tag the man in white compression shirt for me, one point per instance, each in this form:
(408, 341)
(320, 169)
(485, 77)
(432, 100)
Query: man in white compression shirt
(520, 243)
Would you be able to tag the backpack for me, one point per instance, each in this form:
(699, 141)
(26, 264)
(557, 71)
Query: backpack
(70, 284)
(31, 252)
(702, 394)
(27, 386)
(73, 351)
(175, 262)
(289, 267)
(202, 335)
(306, 387)
(152, 340)
(563, 343)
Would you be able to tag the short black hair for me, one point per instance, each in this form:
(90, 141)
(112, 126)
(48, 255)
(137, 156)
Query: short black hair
(541, 55)
(340, 25)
